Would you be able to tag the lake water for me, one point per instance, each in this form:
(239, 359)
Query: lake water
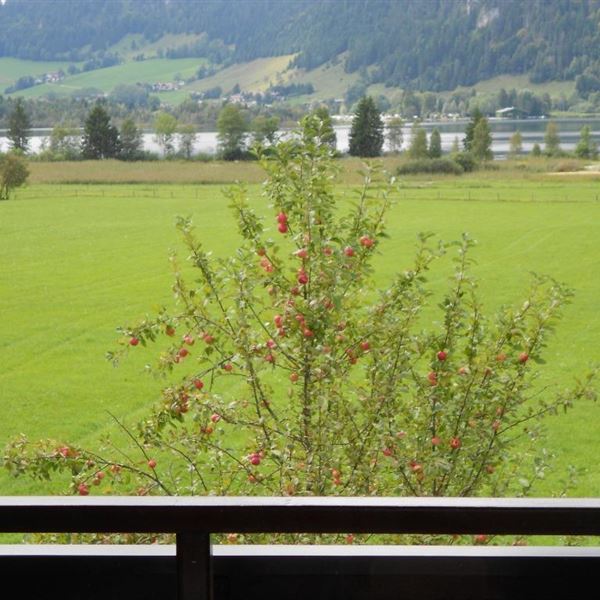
(532, 131)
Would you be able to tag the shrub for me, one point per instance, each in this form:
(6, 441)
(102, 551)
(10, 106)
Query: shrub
(430, 165)
(466, 161)
(289, 373)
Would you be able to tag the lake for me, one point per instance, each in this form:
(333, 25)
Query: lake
(532, 131)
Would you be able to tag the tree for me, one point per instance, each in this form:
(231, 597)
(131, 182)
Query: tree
(65, 143)
(516, 144)
(288, 373)
(435, 144)
(552, 140)
(586, 147)
(324, 127)
(131, 140)
(187, 137)
(18, 127)
(418, 142)
(476, 116)
(232, 128)
(481, 146)
(13, 174)
(455, 146)
(366, 132)
(394, 135)
(165, 127)
(100, 138)
(536, 150)
(264, 129)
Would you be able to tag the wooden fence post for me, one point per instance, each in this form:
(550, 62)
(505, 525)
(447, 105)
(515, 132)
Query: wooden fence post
(194, 569)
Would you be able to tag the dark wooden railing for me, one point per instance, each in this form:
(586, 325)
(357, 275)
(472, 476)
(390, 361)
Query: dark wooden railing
(193, 520)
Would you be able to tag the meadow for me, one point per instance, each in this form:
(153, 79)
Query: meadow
(79, 259)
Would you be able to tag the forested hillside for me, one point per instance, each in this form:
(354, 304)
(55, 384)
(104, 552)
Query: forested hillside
(423, 45)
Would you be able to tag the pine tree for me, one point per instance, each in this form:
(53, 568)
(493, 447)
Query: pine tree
(435, 144)
(18, 127)
(366, 133)
(418, 142)
(131, 140)
(476, 116)
(100, 138)
(481, 146)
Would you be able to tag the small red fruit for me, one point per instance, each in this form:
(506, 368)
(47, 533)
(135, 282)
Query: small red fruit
(183, 352)
(198, 384)
(328, 251)
(152, 463)
(387, 452)
(271, 344)
(270, 358)
(282, 228)
(501, 357)
(302, 277)
(442, 355)
(83, 489)
(436, 441)
(189, 340)
(366, 241)
(302, 253)
(294, 377)
(208, 339)
(415, 467)
(64, 451)
(261, 252)
(215, 418)
(278, 320)
(523, 357)
(282, 218)
(295, 291)
(455, 443)
(480, 538)
(170, 331)
(134, 341)
(255, 459)
(267, 265)
(307, 333)
(100, 475)
(463, 371)
(349, 251)
(432, 377)
(365, 346)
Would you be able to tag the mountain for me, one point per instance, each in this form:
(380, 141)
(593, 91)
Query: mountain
(417, 44)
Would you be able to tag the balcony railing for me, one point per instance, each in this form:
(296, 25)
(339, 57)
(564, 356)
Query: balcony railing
(193, 570)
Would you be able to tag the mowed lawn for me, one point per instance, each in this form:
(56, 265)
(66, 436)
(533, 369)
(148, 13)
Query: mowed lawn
(76, 261)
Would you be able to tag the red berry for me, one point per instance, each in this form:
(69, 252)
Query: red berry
(152, 463)
(387, 452)
(480, 538)
(170, 331)
(271, 344)
(267, 265)
(270, 358)
(261, 252)
(183, 352)
(64, 451)
(295, 291)
(302, 277)
(328, 251)
(215, 418)
(198, 384)
(302, 253)
(432, 377)
(100, 475)
(349, 251)
(208, 339)
(134, 341)
(189, 340)
(366, 241)
(308, 333)
(365, 346)
(415, 467)
(278, 320)
(436, 441)
(294, 377)
(282, 228)
(255, 459)
(83, 489)
(501, 357)
(442, 355)
(455, 443)
(523, 357)
(282, 218)
(228, 367)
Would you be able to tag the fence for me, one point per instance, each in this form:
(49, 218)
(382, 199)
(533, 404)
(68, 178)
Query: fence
(192, 570)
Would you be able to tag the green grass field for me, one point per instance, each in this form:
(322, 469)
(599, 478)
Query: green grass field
(79, 260)
(13, 68)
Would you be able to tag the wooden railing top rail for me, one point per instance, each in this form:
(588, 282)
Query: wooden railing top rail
(113, 514)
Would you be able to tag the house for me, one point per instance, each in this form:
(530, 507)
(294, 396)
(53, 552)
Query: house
(511, 112)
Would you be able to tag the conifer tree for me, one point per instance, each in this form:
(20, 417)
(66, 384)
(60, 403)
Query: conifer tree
(481, 146)
(366, 133)
(418, 142)
(435, 144)
(18, 127)
(100, 138)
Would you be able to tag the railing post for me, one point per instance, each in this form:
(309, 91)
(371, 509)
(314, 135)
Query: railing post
(194, 569)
